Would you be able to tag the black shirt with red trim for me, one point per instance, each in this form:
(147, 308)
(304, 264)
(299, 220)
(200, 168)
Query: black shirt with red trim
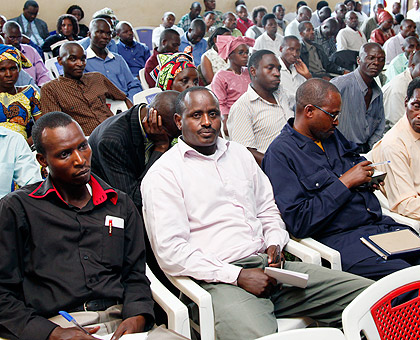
(54, 256)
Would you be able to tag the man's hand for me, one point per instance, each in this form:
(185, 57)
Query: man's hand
(256, 282)
(302, 69)
(131, 325)
(72, 333)
(155, 131)
(275, 256)
(359, 174)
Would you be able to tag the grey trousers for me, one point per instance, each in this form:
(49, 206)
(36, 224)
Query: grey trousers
(241, 315)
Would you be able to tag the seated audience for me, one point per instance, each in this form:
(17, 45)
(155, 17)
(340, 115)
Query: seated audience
(57, 233)
(319, 183)
(396, 8)
(414, 13)
(400, 146)
(175, 72)
(210, 6)
(77, 11)
(36, 29)
(384, 30)
(304, 14)
(243, 22)
(394, 45)
(187, 19)
(316, 18)
(270, 39)
(325, 36)
(125, 146)
(211, 62)
(193, 40)
(396, 90)
(112, 66)
(229, 21)
(362, 16)
(13, 36)
(67, 30)
(397, 23)
(350, 38)
(362, 119)
(209, 19)
(372, 23)
(313, 55)
(80, 95)
(134, 53)
(208, 236)
(17, 163)
(112, 45)
(400, 63)
(169, 43)
(258, 116)
(279, 11)
(18, 104)
(289, 17)
(228, 85)
(340, 14)
(168, 21)
(257, 29)
(293, 71)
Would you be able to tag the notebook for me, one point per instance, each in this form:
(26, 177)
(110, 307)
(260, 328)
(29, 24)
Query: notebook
(288, 277)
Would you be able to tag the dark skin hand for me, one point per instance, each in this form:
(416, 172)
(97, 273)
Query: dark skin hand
(155, 131)
(256, 282)
(359, 174)
(275, 256)
(135, 324)
(72, 333)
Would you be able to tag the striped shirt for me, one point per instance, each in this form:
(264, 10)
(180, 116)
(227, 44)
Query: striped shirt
(254, 122)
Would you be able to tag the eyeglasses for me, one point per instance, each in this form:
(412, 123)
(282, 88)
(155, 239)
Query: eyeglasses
(334, 117)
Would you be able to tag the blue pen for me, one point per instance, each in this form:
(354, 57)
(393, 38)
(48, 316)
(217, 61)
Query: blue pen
(69, 318)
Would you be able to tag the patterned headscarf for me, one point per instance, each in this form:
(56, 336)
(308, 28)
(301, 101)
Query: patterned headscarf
(383, 16)
(226, 44)
(8, 52)
(169, 66)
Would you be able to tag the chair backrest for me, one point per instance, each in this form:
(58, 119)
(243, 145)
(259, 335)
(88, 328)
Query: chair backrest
(116, 106)
(54, 68)
(321, 333)
(146, 96)
(374, 313)
(144, 35)
(143, 81)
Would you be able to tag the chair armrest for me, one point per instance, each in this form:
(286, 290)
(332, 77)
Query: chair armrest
(327, 253)
(203, 300)
(177, 312)
(306, 254)
(403, 219)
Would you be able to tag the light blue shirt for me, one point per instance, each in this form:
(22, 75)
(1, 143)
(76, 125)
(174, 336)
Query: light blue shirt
(17, 162)
(115, 69)
(35, 37)
(112, 45)
(198, 49)
(355, 122)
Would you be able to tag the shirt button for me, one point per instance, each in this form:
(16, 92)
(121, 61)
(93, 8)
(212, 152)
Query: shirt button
(368, 209)
(85, 257)
(317, 184)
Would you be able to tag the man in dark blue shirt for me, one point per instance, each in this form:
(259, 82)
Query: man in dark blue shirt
(318, 179)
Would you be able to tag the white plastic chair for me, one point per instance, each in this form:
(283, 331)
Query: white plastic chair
(177, 312)
(321, 333)
(54, 68)
(142, 78)
(146, 96)
(116, 106)
(331, 255)
(374, 303)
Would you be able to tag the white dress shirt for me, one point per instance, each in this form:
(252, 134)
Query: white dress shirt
(264, 42)
(349, 39)
(290, 80)
(414, 15)
(393, 47)
(292, 29)
(204, 212)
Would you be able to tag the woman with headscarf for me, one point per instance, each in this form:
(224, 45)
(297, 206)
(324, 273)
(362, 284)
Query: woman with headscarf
(228, 85)
(18, 103)
(384, 31)
(175, 72)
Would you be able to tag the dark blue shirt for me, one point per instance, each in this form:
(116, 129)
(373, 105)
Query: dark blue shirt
(314, 202)
(135, 56)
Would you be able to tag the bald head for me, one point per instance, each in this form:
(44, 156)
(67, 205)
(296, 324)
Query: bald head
(164, 102)
(313, 91)
(68, 47)
(304, 14)
(73, 59)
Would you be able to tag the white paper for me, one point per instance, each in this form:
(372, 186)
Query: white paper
(136, 336)
(288, 277)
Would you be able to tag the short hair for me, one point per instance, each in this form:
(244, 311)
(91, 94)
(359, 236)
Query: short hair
(195, 4)
(313, 91)
(50, 120)
(164, 103)
(288, 39)
(94, 23)
(239, 2)
(198, 24)
(73, 7)
(208, 13)
(407, 41)
(302, 26)
(216, 32)
(166, 33)
(123, 23)
(267, 17)
(103, 16)
(257, 10)
(416, 58)
(166, 14)
(321, 4)
(300, 4)
(10, 25)
(239, 7)
(414, 84)
(180, 100)
(363, 50)
(30, 3)
(225, 15)
(275, 7)
(352, 1)
(256, 57)
(73, 20)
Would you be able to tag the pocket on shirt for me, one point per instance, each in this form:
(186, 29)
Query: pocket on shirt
(316, 180)
(112, 246)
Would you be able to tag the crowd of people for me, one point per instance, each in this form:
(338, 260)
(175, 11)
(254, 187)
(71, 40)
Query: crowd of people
(259, 129)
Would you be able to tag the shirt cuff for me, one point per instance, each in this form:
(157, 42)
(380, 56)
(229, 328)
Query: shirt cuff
(229, 274)
(339, 192)
(38, 328)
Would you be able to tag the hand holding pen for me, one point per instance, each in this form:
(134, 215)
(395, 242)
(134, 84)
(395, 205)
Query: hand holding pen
(79, 333)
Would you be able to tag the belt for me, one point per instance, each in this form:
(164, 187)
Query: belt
(95, 305)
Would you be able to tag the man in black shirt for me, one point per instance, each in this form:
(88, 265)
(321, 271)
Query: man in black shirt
(69, 243)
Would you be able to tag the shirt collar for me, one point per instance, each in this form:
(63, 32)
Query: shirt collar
(253, 96)
(363, 87)
(100, 191)
(283, 67)
(91, 54)
(186, 150)
(24, 20)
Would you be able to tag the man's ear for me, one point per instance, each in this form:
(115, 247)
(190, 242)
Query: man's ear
(252, 71)
(406, 102)
(309, 111)
(59, 61)
(41, 160)
(358, 60)
(178, 121)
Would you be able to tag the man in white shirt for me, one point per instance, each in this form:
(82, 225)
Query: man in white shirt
(304, 14)
(414, 13)
(320, 15)
(270, 39)
(223, 233)
(168, 21)
(393, 46)
(258, 116)
(350, 38)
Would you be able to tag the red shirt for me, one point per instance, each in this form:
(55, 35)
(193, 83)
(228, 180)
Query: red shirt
(243, 25)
